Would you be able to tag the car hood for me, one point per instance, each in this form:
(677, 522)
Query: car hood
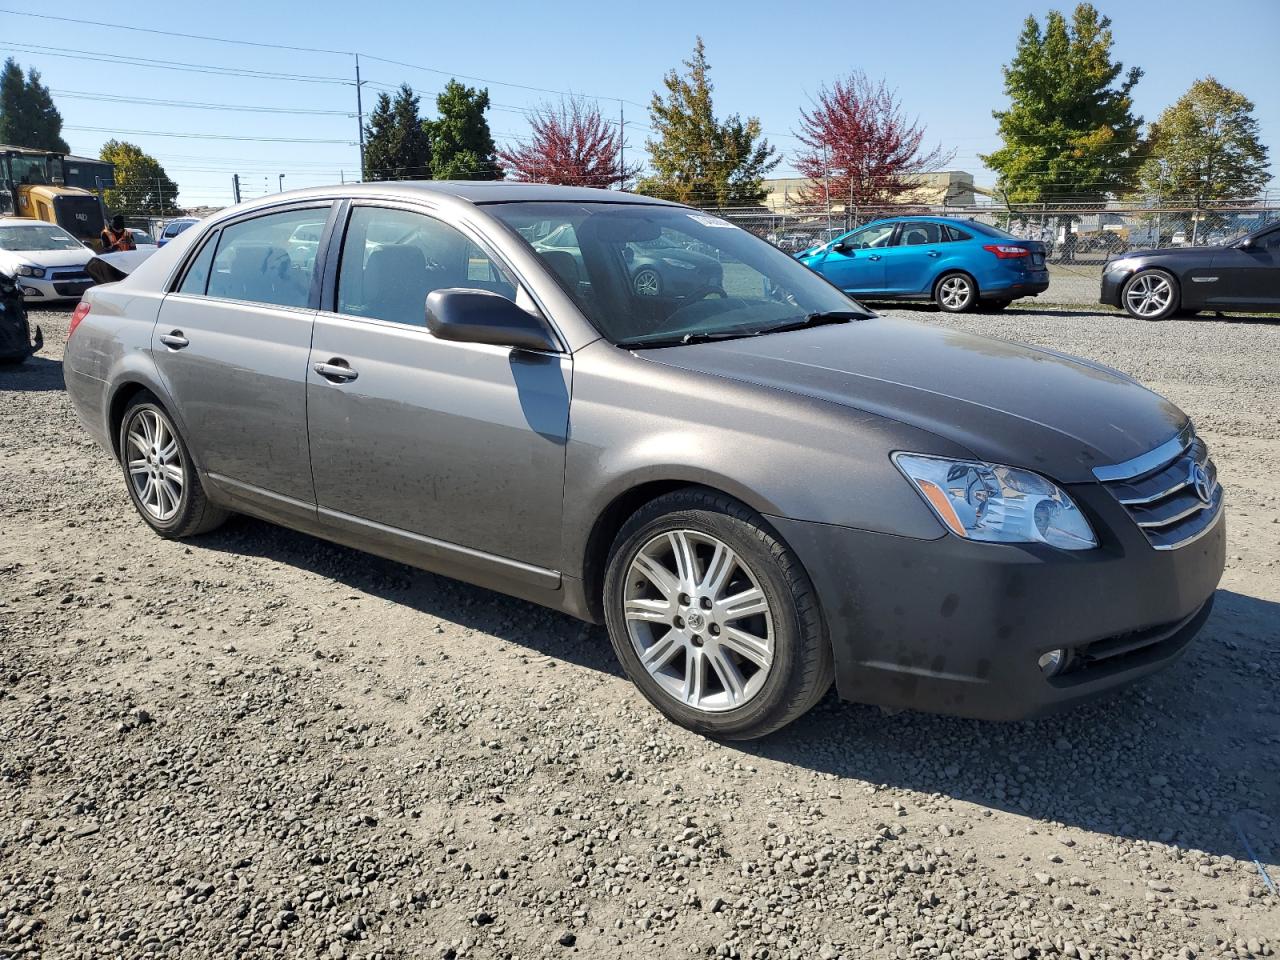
(1005, 402)
(46, 258)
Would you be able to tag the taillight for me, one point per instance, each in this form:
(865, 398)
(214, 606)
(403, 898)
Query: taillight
(81, 311)
(1006, 252)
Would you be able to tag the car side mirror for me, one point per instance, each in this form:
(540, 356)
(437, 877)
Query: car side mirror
(479, 316)
(843, 247)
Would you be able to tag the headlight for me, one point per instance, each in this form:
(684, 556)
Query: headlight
(997, 504)
(1123, 265)
(25, 271)
(678, 264)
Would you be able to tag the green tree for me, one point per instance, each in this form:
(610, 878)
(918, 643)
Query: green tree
(396, 145)
(28, 117)
(1206, 147)
(462, 147)
(1069, 131)
(142, 186)
(696, 158)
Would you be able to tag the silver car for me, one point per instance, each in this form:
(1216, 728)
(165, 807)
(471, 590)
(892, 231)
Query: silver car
(759, 487)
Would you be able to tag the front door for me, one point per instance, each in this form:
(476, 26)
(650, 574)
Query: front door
(232, 344)
(1248, 276)
(859, 266)
(459, 442)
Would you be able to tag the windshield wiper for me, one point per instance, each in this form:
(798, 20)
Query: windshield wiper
(815, 320)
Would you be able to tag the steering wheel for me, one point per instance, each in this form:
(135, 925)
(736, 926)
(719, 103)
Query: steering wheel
(707, 291)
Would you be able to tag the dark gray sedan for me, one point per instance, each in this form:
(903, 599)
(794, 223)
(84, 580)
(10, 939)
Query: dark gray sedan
(760, 487)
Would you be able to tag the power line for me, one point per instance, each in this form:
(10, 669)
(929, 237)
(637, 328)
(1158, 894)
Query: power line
(197, 105)
(71, 53)
(204, 136)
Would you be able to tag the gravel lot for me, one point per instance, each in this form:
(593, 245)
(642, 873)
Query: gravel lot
(261, 744)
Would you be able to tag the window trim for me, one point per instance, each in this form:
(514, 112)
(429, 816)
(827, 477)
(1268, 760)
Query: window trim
(216, 230)
(337, 240)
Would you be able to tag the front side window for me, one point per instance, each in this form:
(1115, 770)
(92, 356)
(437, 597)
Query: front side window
(254, 262)
(391, 260)
(1269, 241)
(197, 276)
(876, 235)
(649, 274)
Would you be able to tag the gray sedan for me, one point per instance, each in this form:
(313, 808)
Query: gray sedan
(760, 487)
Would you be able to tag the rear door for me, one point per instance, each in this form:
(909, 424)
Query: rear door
(232, 343)
(1248, 276)
(860, 268)
(462, 443)
(911, 263)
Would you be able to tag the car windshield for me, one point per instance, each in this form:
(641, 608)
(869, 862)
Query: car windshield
(657, 275)
(37, 237)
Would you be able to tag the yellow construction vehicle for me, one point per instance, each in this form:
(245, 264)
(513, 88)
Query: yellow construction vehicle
(34, 185)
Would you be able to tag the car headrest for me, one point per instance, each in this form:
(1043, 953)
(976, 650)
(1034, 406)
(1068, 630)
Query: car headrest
(916, 237)
(396, 283)
(563, 265)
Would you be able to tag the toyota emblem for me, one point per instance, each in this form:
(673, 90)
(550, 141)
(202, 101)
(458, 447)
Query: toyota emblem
(1200, 480)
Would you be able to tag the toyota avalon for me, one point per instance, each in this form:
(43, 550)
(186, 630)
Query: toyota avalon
(759, 486)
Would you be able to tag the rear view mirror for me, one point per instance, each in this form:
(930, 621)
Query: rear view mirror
(479, 316)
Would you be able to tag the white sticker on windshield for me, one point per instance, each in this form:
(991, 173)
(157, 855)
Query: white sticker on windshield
(707, 221)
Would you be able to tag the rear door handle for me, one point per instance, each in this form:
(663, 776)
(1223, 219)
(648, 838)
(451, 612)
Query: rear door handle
(874, 256)
(174, 340)
(336, 370)
(933, 253)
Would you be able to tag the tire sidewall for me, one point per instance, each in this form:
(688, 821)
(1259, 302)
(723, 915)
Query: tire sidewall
(968, 304)
(740, 536)
(1174, 302)
(186, 508)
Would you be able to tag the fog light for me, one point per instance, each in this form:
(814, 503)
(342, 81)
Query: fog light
(1053, 662)
(30, 291)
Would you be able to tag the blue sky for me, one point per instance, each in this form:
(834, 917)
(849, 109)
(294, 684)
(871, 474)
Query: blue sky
(767, 60)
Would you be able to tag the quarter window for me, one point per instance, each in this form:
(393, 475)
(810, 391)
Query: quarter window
(391, 260)
(197, 278)
(256, 262)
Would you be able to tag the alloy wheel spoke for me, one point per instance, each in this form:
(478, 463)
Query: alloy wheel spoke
(662, 651)
(173, 473)
(748, 646)
(748, 603)
(719, 567)
(686, 563)
(730, 676)
(650, 611)
(695, 676)
(657, 574)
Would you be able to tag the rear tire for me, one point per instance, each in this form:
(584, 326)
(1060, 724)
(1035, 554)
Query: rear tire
(713, 617)
(955, 293)
(163, 483)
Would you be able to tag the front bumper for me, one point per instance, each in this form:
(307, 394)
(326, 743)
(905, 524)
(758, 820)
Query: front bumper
(1112, 285)
(48, 290)
(957, 627)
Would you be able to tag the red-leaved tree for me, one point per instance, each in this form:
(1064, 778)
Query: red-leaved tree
(860, 145)
(573, 144)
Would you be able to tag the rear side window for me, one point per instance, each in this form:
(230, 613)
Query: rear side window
(197, 278)
(255, 260)
(955, 234)
(917, 233)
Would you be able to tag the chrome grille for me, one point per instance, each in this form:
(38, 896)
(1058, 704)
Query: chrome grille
(1172, 493)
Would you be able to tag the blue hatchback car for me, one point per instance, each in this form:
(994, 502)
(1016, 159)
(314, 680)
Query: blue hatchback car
(959, 264)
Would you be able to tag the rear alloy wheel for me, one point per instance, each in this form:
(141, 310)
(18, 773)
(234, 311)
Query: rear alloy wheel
(158, 472)
(1150, 295)
(956, 293)
(647, 282)
(713, 618)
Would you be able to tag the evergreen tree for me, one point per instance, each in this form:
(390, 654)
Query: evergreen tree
(1206, 147)
(28, 117)
(142, 186)
(462, 147)
(396, 145)
(696, 158)
(1069, 131)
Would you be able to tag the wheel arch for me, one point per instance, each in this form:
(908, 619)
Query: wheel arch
(949, 271)
(1174, 279)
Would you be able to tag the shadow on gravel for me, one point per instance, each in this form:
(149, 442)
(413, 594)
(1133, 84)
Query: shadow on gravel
(1178, 759)
(515, 621)
(36, 374)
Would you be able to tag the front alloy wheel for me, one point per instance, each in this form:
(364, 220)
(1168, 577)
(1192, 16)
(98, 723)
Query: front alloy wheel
(1150, 295)
(647, 282)
(713, 617)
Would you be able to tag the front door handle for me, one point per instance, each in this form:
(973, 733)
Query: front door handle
(336, 370)
(933, 253)
(874, 256)
(174, 340)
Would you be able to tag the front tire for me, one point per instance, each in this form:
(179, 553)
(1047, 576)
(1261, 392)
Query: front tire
(1150, 295)
(713, 617)
(955, 292)
(159, 475)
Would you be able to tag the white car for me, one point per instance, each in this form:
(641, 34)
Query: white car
(47, 262)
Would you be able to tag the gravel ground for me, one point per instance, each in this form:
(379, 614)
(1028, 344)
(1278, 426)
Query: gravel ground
(260, 744)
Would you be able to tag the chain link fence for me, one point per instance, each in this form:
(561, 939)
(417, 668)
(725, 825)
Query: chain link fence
(1075, 233)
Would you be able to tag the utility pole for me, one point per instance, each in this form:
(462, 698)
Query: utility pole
(359, 115)
(826, 183)
(235, 188)
(622, 150)
(160, 194)
(280, 184)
